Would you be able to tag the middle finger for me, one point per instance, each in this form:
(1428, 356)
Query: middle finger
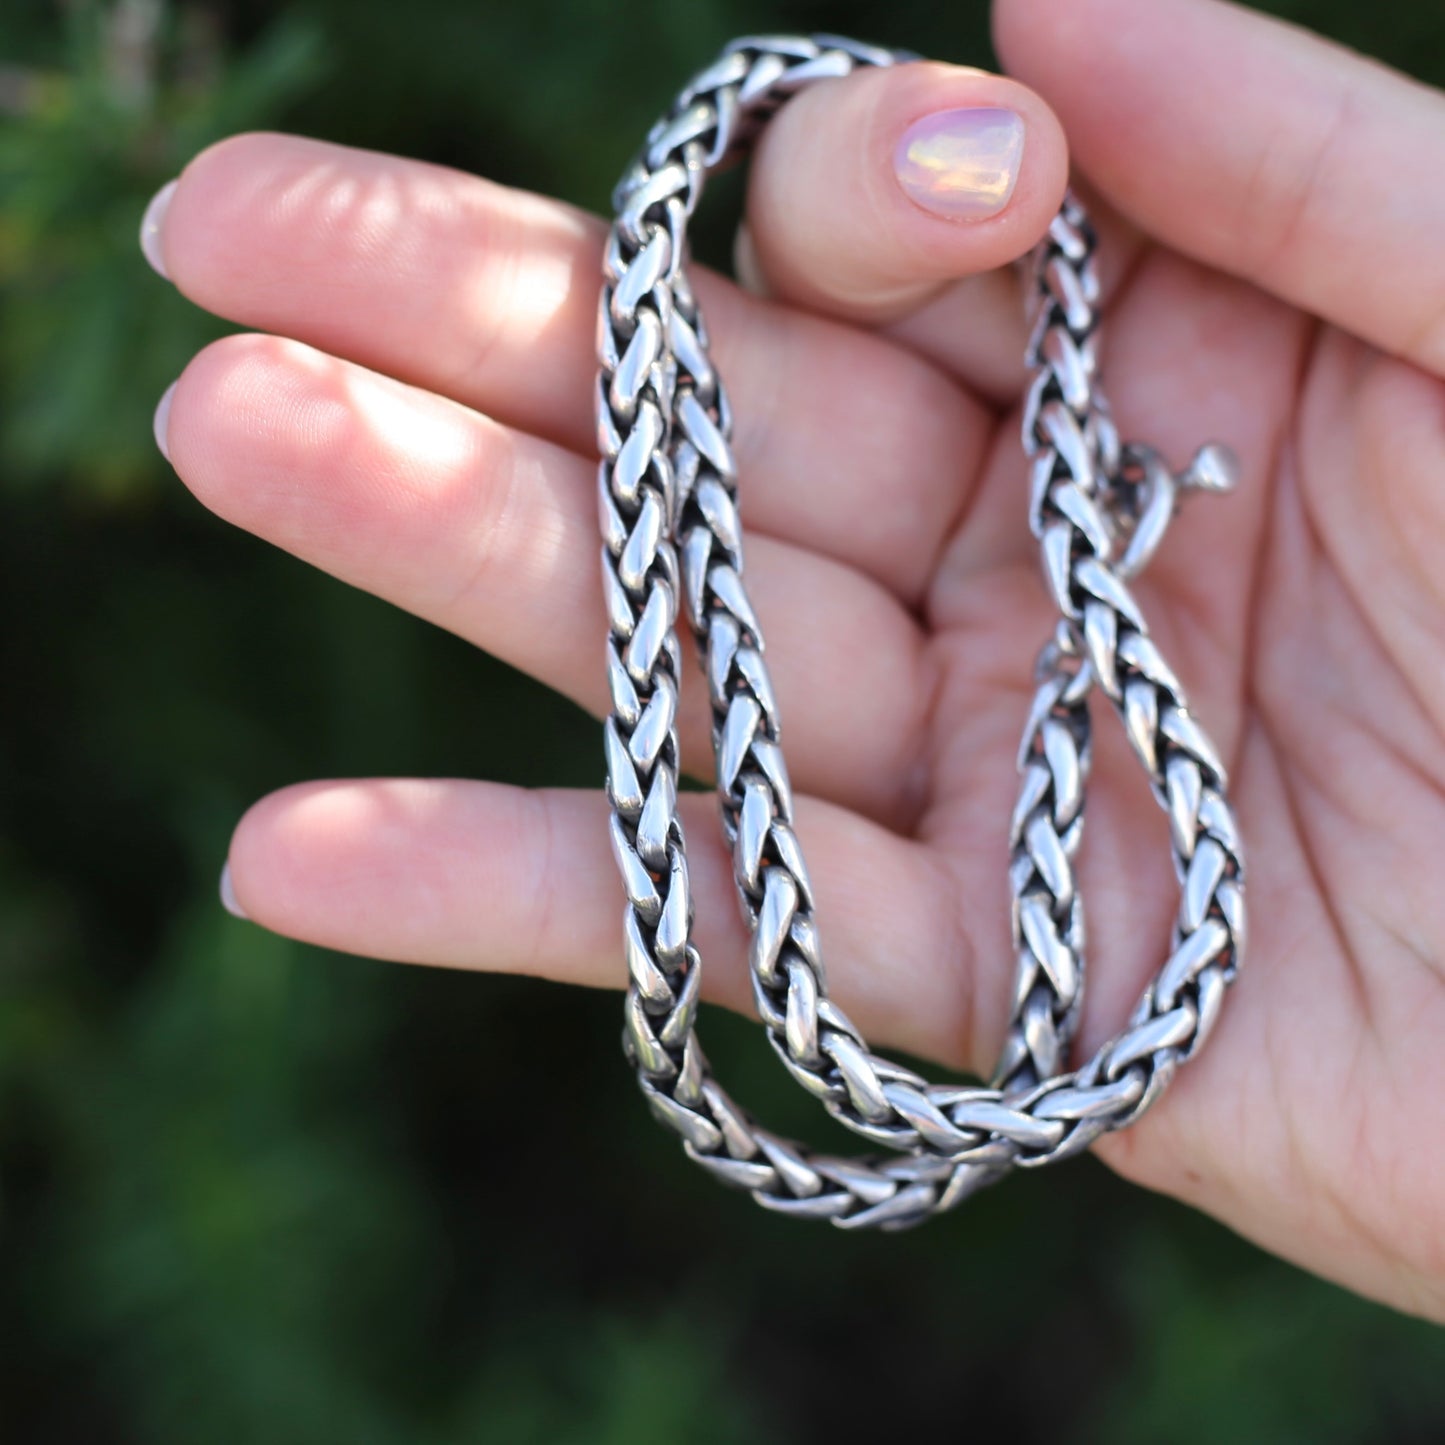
(491, 533)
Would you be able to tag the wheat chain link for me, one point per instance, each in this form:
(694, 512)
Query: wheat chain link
(672, 540)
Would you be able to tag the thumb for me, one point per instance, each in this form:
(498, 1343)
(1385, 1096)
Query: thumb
(870, 193)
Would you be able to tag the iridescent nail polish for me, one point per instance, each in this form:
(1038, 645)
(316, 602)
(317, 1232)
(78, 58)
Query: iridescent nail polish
(961, 164)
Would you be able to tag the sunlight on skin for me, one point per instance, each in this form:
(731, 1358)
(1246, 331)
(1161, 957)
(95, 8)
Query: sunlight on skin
(486, 275)
(1258, 1131)
(394, 221)
(501, 548)
(415, 475)
(421, 444)
(298, 214)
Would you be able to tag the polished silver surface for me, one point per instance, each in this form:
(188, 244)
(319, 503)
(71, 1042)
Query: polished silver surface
(672, 541)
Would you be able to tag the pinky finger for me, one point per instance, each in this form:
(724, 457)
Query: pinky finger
(490, 877)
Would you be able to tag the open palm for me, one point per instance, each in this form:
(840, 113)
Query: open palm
(419, 423)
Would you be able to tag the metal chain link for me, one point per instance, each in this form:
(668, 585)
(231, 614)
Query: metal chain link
(672, 538)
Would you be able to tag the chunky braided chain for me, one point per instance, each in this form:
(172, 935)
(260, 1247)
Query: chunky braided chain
(672, 538)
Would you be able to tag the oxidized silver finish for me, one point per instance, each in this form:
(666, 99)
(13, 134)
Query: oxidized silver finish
(672, 539)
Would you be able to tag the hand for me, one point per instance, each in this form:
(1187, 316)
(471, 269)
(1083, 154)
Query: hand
(419, 424)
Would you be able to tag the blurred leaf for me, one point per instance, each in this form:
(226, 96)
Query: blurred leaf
(89, 338)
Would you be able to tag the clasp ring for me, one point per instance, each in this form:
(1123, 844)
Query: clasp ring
(1143, 496)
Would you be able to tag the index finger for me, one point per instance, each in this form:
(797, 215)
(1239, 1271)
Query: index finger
(1257, 148)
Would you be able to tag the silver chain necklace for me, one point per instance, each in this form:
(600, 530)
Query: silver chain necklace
(672, 538)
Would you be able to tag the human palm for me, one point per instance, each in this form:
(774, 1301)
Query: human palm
(426, 433)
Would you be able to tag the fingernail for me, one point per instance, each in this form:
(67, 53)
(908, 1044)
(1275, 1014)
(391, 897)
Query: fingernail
(161, 424)
(228, 894)
(746, 267)
(150, 228)
(961, 164)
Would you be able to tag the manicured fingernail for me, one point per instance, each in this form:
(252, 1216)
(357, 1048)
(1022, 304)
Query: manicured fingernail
(150, 228)
(161, 424)
(228, 894)
(961, 164)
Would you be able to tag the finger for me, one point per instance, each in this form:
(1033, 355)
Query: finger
(974, 329)
(491, 533)
(1257, 148)
(868, 195)
(489, 296)
(479, 875)
(977, 328)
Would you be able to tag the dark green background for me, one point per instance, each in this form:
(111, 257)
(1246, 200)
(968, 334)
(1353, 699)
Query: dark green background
(256, 1192)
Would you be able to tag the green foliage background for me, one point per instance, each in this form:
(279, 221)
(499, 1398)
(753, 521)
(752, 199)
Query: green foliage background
(252, 1191)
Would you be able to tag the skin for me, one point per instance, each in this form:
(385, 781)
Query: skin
(413, 414)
